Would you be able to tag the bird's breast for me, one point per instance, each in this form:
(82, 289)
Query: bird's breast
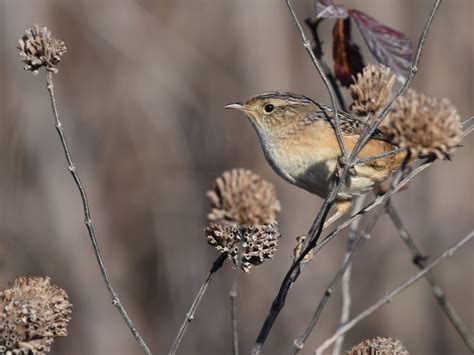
(301, 162)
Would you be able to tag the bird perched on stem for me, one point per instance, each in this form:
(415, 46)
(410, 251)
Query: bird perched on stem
(299, 142)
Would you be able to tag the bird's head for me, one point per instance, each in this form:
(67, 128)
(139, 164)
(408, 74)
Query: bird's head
(274, 110)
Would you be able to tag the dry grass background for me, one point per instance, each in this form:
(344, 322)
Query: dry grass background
(141, 91)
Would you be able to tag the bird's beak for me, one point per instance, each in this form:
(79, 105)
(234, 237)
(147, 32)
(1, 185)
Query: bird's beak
(236, 106)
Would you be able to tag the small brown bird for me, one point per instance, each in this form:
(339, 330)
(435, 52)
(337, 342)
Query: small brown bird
(299, 143)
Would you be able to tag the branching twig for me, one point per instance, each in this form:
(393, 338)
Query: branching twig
(364, 235)
(388, 298)
(87, 217)
(197, 300)
(346, 278)
(419, 260)
(380, 199)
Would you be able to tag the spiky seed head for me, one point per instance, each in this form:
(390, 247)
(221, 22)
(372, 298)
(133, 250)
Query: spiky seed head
(32, 313)
(241, 197)
(426, 125)
(372, 89)
(39, 49)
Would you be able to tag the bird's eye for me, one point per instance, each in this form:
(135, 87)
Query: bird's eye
(269, 108)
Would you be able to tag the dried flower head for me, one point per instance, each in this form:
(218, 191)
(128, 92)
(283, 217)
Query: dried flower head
(299, 249)
(372, 89)
(39, 49)
(32, 313)
(242, 197)
(379, 346)
(425, 125)
(259, 242)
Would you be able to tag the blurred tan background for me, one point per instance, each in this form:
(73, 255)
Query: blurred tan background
(141, 93)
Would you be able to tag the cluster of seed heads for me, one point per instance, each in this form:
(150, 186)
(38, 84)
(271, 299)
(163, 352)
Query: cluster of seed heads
(242, 222)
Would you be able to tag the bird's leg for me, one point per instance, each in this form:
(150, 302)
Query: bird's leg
(342, 207)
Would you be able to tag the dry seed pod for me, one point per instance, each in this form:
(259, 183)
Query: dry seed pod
(259, 242)
(241, 197)
(32, 313)
(39, 49)
(379, 346)
(372, 89)
(425, 125)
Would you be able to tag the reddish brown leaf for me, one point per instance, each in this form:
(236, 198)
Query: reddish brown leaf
(347, 58)
(388, 46)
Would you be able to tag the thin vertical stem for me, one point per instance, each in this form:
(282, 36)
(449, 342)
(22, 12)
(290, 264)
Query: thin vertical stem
(88, 219)
(346, 278)
(233, 296)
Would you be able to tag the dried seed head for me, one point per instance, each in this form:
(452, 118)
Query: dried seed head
(379, 346)
(299, 249)
(259, 242)
(39, 49)
(425, 125)
(372, 89)
(239, 196)
(32, 313)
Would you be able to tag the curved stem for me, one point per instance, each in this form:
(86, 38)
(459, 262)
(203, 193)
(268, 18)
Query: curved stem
(88, 220)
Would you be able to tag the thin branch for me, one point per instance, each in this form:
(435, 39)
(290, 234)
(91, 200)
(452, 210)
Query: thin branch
(317, 64)
(378, 201)
(419, 260)
(380, 156)
(346, 278)
(363, 236)
(233, 296)
(196, 302)
(389, 296)
(87, 218)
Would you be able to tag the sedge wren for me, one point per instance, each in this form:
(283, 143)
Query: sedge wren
(298, 141)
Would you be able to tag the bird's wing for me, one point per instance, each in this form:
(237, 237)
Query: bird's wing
(349, 125)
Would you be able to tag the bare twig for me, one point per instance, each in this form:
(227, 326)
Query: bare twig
(346, 278)
(233, 297)
(389, 296)
(319, 68)
(197, 300)
(316, 227)
(419, 260)
(87, 218)
(380, 156)
(363, 236)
